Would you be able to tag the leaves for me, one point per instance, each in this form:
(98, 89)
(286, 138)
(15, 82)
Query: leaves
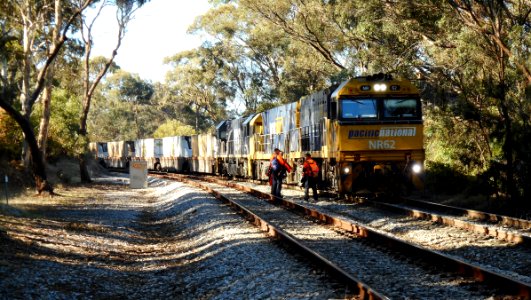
(173, 128)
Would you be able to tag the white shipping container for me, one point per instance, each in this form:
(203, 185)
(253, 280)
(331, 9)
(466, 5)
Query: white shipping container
(148, 148)
(182, 147)
(158, 148)
(139, 148)
(169, 146)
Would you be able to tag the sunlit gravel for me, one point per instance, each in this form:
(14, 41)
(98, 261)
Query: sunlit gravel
(169, 241)
(513, 260)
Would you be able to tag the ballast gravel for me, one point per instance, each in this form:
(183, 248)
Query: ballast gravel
(169, 241)
(384, 271)
(510, 259)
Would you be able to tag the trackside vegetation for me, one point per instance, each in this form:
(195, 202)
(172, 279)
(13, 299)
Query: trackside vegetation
(470, 59)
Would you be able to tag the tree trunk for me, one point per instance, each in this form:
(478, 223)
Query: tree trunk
(135, 117)
(508, 144)
(123, 17)
(83, 166)
(25, 94)
(39, 169)
(196, 117)
(47, 98)
(83, 155)
(45, 119)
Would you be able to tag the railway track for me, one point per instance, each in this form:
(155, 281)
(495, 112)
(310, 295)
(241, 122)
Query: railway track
(506, 228)
(359, 252)
(501, 227)
(513, 259)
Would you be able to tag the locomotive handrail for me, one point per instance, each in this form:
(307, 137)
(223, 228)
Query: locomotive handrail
(309, 139)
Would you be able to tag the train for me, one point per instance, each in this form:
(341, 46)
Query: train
(366, 134)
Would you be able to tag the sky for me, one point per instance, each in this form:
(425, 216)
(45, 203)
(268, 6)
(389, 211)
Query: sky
(158, 30)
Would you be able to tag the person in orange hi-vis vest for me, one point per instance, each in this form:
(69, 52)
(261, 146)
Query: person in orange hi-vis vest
(279, 169)
(311, 175)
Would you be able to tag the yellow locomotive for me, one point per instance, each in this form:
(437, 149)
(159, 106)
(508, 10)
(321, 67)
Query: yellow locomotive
(366, 134)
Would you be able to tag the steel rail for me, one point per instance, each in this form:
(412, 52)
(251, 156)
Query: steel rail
(480, 274)
(499, 233)
(513, 222)
(362, 290)
(473, 214)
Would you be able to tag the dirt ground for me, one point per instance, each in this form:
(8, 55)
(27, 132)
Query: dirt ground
(169, 241)
(77, 241)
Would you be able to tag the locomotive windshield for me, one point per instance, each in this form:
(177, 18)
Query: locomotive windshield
(400, 108)
(382, 109)
(359, 109)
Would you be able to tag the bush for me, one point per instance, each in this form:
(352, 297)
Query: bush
(10, 138)
(443, 179)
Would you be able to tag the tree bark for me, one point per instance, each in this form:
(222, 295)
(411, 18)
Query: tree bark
(44, 125)
(83, 166)
(508, 147)
(47, 97)
(39, 169)
(508, 143)
(28, 96)
(25, 93)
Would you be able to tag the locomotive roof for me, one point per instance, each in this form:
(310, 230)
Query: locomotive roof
(372, 86)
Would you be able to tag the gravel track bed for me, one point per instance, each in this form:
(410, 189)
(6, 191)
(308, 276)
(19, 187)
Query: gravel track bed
(389, 273)
(169, 241)
(510, 259)
(497, 226)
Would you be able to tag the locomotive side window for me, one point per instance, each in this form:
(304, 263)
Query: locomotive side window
(400, 108)
(359, 109)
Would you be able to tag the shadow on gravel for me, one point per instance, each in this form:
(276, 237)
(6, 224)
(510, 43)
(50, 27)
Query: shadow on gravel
(126, 251)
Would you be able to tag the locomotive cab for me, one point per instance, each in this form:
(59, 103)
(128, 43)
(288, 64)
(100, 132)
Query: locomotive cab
(378, 140)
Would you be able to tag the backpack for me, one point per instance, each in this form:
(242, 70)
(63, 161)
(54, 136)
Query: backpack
(275, 165)
(277, 169)
(269, 171)
(314, 169)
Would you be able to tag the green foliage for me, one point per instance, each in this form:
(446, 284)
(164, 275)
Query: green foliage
(443, 178)
(173, 128)
(125, 107)
(455, 142)
(129, 87)
(472, 59)
(479, 88)
(10, 137)
(256, 62)
(198, 88)
(64, 124)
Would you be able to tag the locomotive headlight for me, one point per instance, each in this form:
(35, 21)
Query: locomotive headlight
(416, 168)
(380, 87)
(346, 170)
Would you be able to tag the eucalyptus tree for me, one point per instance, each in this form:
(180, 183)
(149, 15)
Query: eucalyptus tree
(125, 101)
(196, 83)
(257, 59)
(32, 32)
(130, 88)
(173, 128)
(481, 59)
(503, 38)
(474, 55)
(125, 10)
(348, 35)
(292, 48)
